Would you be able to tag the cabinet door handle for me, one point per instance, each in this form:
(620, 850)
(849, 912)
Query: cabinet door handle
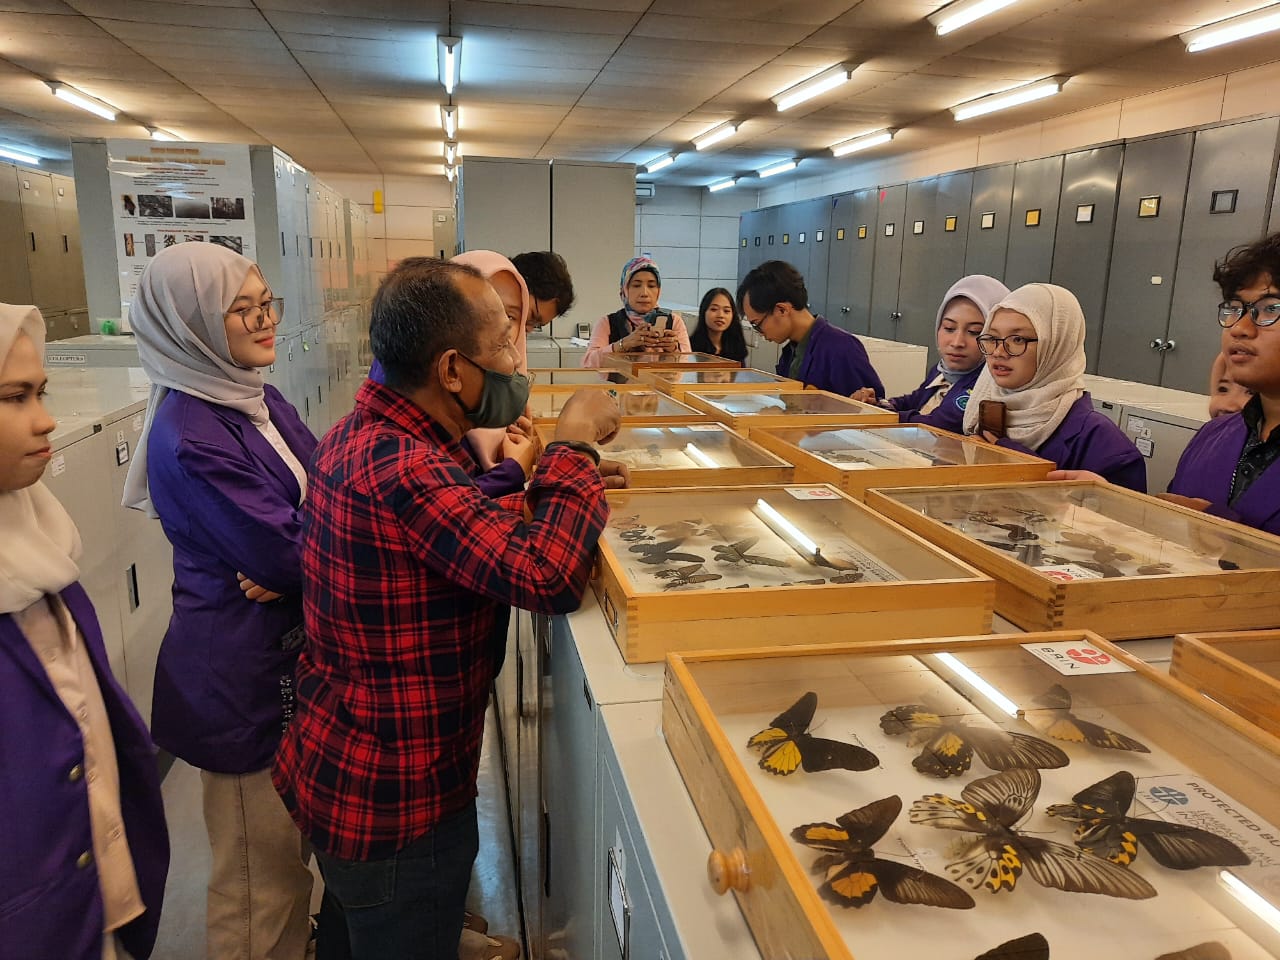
(895, 316)
(1158, 344)
(1168, 345)
(844, 309)
(32, 235)
(66, 245)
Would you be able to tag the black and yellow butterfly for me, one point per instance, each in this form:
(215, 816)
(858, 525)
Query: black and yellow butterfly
(991, 807)
(949, 745)
(1105, 829)
(1031, 947)
(787, 744)
(1056, 720)
(853, 874)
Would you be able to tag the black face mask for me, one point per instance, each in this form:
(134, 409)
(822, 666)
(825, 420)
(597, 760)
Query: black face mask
(502, 399)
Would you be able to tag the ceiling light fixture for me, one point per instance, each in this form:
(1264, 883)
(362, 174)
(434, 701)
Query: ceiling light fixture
(815, 86)
(864, 142)
(785, 167)
(11, 154)
(83, 101)
(449, 54)
(721, 131)
(722, 185)
(660, 164)
(449, 120)
(964, 12)
(157, 134)
(1235, 28)
(450, 172)
(1009, 98)
(450, 151)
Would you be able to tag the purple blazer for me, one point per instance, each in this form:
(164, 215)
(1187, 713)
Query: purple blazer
(834, 360)
(1208, 465)
(1087, 440)
(949, 414)
(49, 905)
(228, 503)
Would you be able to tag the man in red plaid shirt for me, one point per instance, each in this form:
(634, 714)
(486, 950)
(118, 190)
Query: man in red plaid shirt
(409, 572)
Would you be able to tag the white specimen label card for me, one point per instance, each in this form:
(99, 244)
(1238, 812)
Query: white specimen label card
(1075, 658)
(813, 493)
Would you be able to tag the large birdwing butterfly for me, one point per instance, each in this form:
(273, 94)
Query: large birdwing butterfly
(991, 807)
(853, 874)
(1031, 947)
(1056, 720)
(1106, 829)
(948, 746)
(787, 744)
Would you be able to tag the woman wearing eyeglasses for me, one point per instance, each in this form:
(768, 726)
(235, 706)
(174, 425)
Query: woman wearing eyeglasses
(1034, 348)
(222, 462)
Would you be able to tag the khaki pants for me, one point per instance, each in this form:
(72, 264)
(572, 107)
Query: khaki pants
(259, 884)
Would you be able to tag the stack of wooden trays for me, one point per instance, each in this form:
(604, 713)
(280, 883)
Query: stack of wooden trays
(748, 412)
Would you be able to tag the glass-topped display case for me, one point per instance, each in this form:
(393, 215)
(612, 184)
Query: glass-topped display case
(1098, 556)
(633, 363)
(856, 459)
(1017, 796)
(738, 380)
(576, 376)
(746, 412)
(639, 404)
(1240, 670)
(734, 566)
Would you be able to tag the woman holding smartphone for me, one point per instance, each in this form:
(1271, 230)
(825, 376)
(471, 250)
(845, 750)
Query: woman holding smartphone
(641, 325)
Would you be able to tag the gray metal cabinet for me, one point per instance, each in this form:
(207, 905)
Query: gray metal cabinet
(887, 232)
(1144, 256)
(789, 226)
(814, 224)
(542, 351)
(1162, 432)
(1036, 189)
(15, 279)
(933, 252)
(533, 686)
(43, 242)
(1228, 199)
(746, 222)
(851, 260)
(67, 245)
(988, 236)
(1082, 245)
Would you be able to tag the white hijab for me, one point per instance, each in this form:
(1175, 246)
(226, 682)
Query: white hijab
(178, 318)
(39, 544)
(983, 292)
(1033, 412)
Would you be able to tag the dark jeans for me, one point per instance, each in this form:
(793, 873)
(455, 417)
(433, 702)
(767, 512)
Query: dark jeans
(407, 907)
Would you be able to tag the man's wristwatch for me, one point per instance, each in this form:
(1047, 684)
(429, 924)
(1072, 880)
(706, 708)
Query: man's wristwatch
(580, 445)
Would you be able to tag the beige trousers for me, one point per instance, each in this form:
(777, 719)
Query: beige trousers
(259, 884)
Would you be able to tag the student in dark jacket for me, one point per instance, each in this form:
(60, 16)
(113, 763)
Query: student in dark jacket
(719, 328)
(84, 851)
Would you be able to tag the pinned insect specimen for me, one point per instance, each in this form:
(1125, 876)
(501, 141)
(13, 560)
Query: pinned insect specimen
(686, 528)
(1017, 531)
(664, 552)
(636, 534)
(1154, 569)
(991, 807)
(626, 523)
(1105, 828)
(686, 576)
(739, 553)
(852, 577)
(948, 745)
(853, 874)
(787, 744)
(804, 583)
(1056, 720)
(1031, 947)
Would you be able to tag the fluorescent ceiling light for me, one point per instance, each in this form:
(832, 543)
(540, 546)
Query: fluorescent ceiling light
(76, 98)
(786, 529)
(964, 12)
(449, 53)
(1236, 28)
(660, 164)
(450, 172)
(19, 156)
(1252, 900)
(864, 142)
(777, 168)
(722, 131)
(450, 151)
(1009, 98)
(698, 457)
(979, 684)
(722, 185)
(815, 86)
(449, 120)
(157, 134)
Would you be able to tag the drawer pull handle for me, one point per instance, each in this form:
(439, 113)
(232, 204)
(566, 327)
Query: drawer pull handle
(728, 872)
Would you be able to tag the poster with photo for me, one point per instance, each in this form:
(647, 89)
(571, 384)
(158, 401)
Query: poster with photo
(166, 193)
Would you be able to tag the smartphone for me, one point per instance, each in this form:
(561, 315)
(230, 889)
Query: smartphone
(991, 417)
(660, 322)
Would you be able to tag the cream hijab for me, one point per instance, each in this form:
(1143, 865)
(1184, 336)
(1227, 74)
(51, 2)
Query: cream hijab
(39, 544)
(178, 318)
(487, 442)
(1033, 412)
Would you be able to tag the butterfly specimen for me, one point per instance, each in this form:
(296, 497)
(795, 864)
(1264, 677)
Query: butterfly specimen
(991, 807)
(853, 874)
(1056, 720)
(1154, 569)
(664, 552)
(636, 534)
(686, 528)
(853, 577)
(1031, 947)
(787, 744)
(1105, 829)
(804, 583)
(1201, 951)
(948, 745)
(739, 553)
(686, 576)
(1016, 530)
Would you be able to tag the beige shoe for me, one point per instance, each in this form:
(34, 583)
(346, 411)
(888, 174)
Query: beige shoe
(479, 946)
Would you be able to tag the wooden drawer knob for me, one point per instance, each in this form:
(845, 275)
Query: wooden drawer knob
(728, 871)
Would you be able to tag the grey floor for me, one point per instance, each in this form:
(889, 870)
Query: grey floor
(182, 937)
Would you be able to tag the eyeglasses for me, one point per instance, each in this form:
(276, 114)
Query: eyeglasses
(1263, 312)
(757, 324)
(1014, 345)
(256, 317)
(538, 316)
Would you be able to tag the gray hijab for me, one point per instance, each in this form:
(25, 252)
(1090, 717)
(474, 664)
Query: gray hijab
(178, 318)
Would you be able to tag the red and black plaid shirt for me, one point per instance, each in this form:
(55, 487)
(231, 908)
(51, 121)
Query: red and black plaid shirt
(408, 571)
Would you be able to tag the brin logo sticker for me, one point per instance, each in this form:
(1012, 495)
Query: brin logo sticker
(1075, 658)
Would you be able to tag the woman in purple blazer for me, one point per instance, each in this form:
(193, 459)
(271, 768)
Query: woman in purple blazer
(84, 851)
(222, 462)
